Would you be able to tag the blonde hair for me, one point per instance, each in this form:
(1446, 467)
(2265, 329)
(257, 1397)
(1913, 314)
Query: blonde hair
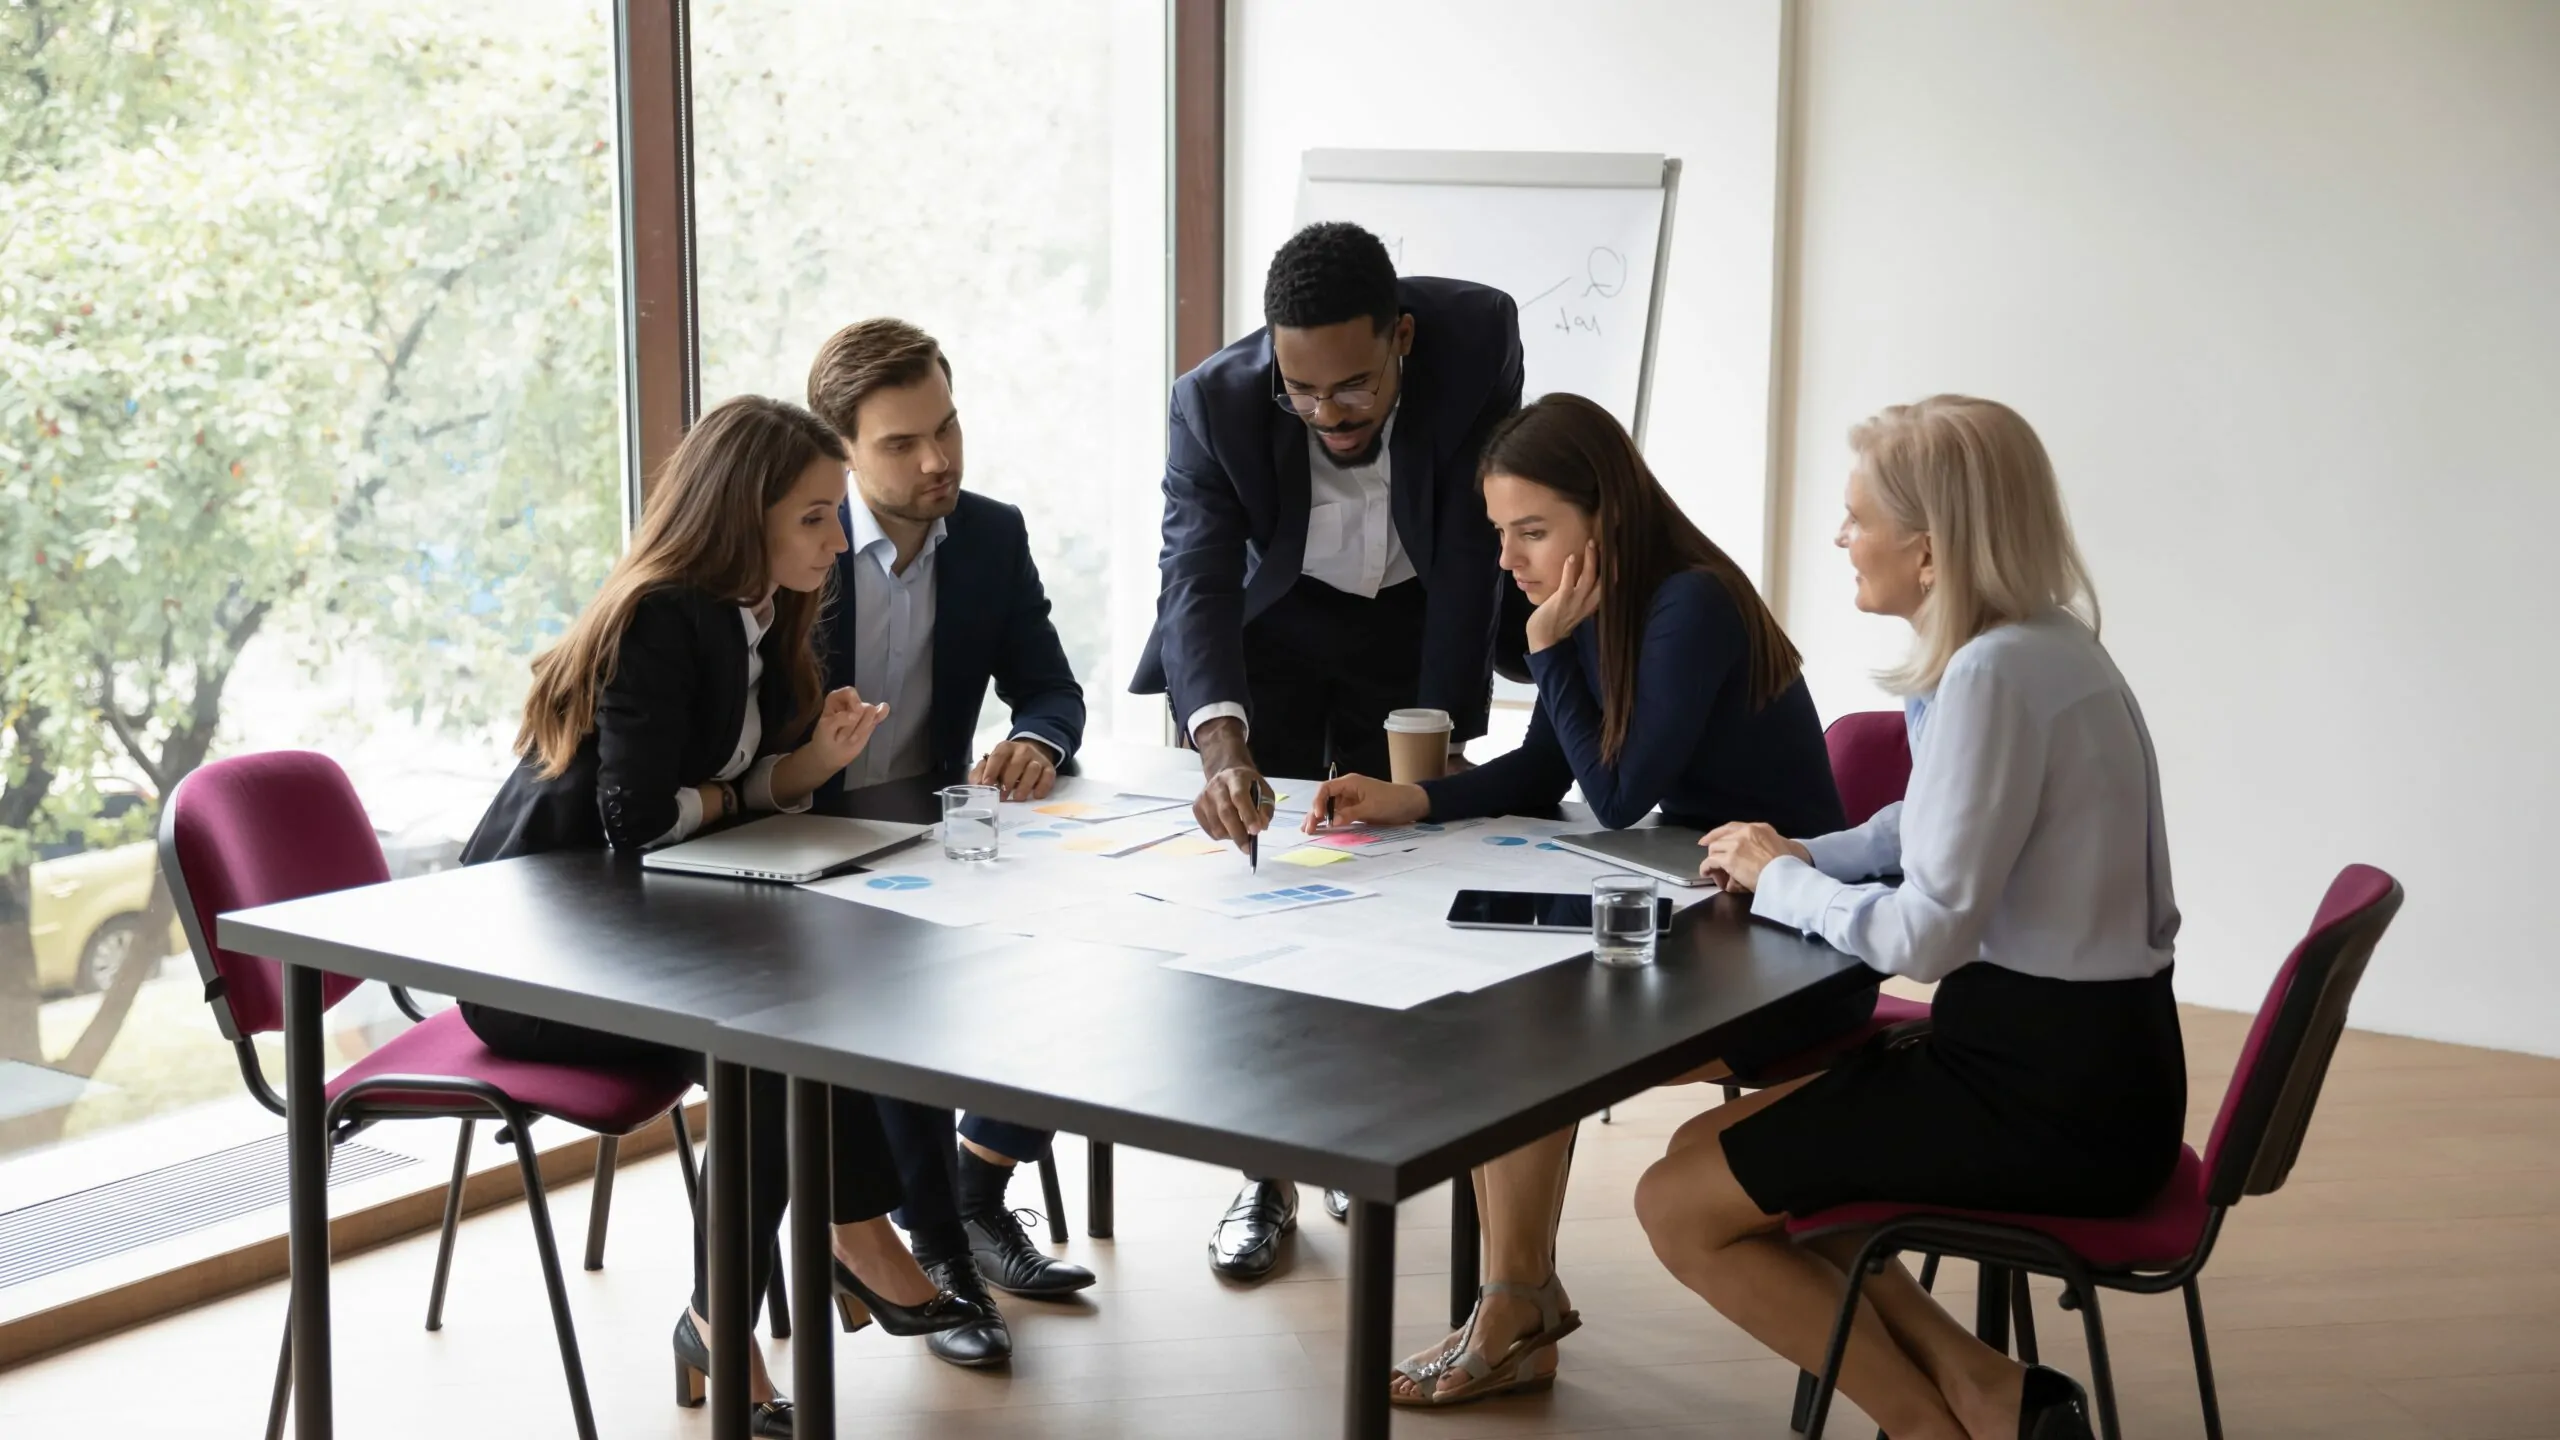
(1972, 476)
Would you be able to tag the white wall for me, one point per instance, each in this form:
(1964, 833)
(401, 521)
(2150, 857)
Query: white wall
(2279, 283)
(1690, 80)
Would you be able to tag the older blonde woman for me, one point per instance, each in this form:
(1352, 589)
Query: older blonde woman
(2034, 884)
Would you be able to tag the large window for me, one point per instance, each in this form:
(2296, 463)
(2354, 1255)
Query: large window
(994, 172)
(309, 436)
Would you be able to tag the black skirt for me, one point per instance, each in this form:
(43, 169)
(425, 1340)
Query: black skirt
(2050, 1097)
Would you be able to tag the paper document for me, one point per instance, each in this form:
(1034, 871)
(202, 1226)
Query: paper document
(1334, 971)
(1274, 900)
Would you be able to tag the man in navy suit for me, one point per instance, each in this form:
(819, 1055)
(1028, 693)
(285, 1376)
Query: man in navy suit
(1326, 553)
(936, 595)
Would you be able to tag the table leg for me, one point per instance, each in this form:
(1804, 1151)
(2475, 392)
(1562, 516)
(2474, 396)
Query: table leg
(1991, 1308)
(306, 1139)
(813, 1359)
(732, 1306)
(1097, 1189)
(1465, 1249)
(1373, 1319)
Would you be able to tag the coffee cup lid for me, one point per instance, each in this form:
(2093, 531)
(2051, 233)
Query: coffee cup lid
(1417, 722)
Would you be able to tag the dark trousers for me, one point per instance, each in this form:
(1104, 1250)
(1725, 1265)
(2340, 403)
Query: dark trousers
(1322, 669)
(920, 1136)
(866, 1177)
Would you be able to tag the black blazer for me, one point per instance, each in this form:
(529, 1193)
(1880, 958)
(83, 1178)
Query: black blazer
(990, 622)
(667, 720)
(1236, 498)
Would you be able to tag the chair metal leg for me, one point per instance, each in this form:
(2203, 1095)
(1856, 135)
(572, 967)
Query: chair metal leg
(1097, 1188)
(1732, 1092)
(452, 1221)
(1051, 1197)
(1802, 1414)
(600, 1197)
(538, 1210)
(777, 1303)
(1991, 1307)
(2022, 1314)
(1834, 1352)
(2204, 1362)
(685, 1164)
(2101, 1374)
(1605, 1117)
(1929, 1272)
(284, 1381)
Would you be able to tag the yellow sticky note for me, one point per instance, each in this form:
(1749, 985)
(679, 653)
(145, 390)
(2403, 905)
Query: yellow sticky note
(1191, 845)
(1314, 855)
(1091, 844)
(1065, 810)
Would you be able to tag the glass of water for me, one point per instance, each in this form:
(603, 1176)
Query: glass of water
(969, 822)
(1622, 911)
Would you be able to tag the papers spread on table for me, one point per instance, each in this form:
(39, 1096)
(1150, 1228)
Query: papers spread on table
(1355, 914)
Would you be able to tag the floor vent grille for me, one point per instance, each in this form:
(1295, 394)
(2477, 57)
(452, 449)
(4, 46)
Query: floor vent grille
(57, 1234)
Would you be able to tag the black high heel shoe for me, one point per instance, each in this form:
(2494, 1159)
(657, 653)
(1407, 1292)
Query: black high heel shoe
(770, 1420)
(2053, 1407)
(858, 1305)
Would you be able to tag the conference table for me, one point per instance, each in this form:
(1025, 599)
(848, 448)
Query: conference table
(1096, 1040)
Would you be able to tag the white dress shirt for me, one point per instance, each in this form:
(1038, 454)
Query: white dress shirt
(1352, 543)
(756, 791)
(2031, 835)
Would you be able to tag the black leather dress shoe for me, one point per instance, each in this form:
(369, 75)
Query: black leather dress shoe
(2053, 1407)
(983, 1341)
(1011, 1263)
(1337, 1203)
(1246, 1244)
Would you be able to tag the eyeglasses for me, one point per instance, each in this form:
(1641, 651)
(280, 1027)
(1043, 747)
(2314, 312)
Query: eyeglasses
(1358, 400)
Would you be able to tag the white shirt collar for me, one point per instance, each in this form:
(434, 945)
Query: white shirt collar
(867, 538)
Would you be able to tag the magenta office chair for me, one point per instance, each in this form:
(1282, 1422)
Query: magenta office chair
(2256, 1137)
(261, 829)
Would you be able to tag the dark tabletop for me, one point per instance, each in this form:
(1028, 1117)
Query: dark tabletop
(1097, 1040)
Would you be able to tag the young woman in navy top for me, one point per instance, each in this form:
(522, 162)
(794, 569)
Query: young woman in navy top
(1663, 681)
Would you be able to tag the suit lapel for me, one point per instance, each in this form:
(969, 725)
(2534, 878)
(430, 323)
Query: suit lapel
(1413, 491)
(1288, 552)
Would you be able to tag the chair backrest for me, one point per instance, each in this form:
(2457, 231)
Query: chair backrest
(257, 830)
(2277, 1080)
(1870, 761)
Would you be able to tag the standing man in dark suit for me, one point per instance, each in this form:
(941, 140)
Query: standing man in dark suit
(1326, 553)
(936, 595)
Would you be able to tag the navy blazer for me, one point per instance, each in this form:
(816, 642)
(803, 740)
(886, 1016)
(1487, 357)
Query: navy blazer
(990, 621)
(1236, 498)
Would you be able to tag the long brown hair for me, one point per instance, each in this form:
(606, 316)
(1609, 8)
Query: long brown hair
(1579, 450)
(704, 530)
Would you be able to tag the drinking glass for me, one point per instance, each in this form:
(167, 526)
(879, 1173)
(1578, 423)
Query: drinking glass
(969, 822)
(1622, 914)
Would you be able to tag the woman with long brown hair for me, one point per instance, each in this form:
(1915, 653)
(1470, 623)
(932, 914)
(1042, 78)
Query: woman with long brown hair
(1663, 680)
(687, 692)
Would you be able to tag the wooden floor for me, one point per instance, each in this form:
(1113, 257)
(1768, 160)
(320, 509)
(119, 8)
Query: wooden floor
(2406, 1284)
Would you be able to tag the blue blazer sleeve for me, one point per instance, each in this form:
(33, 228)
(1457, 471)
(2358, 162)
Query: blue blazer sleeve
(1464, 593)
(1031, 672)
(1200, 610)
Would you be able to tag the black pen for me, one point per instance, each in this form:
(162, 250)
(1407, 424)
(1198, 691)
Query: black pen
(1332, 772)
(1253, 838)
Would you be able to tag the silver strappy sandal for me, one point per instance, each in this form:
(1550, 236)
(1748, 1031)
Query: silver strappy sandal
(1458, 1374)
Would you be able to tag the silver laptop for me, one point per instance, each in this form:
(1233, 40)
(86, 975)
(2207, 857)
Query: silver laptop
(1669, 853)
(789, 848)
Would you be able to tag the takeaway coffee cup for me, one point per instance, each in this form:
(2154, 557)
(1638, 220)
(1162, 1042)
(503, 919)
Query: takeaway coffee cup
(1417, 745)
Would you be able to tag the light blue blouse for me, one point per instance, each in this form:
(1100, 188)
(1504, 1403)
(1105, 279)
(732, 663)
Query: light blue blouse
(2031, 834)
